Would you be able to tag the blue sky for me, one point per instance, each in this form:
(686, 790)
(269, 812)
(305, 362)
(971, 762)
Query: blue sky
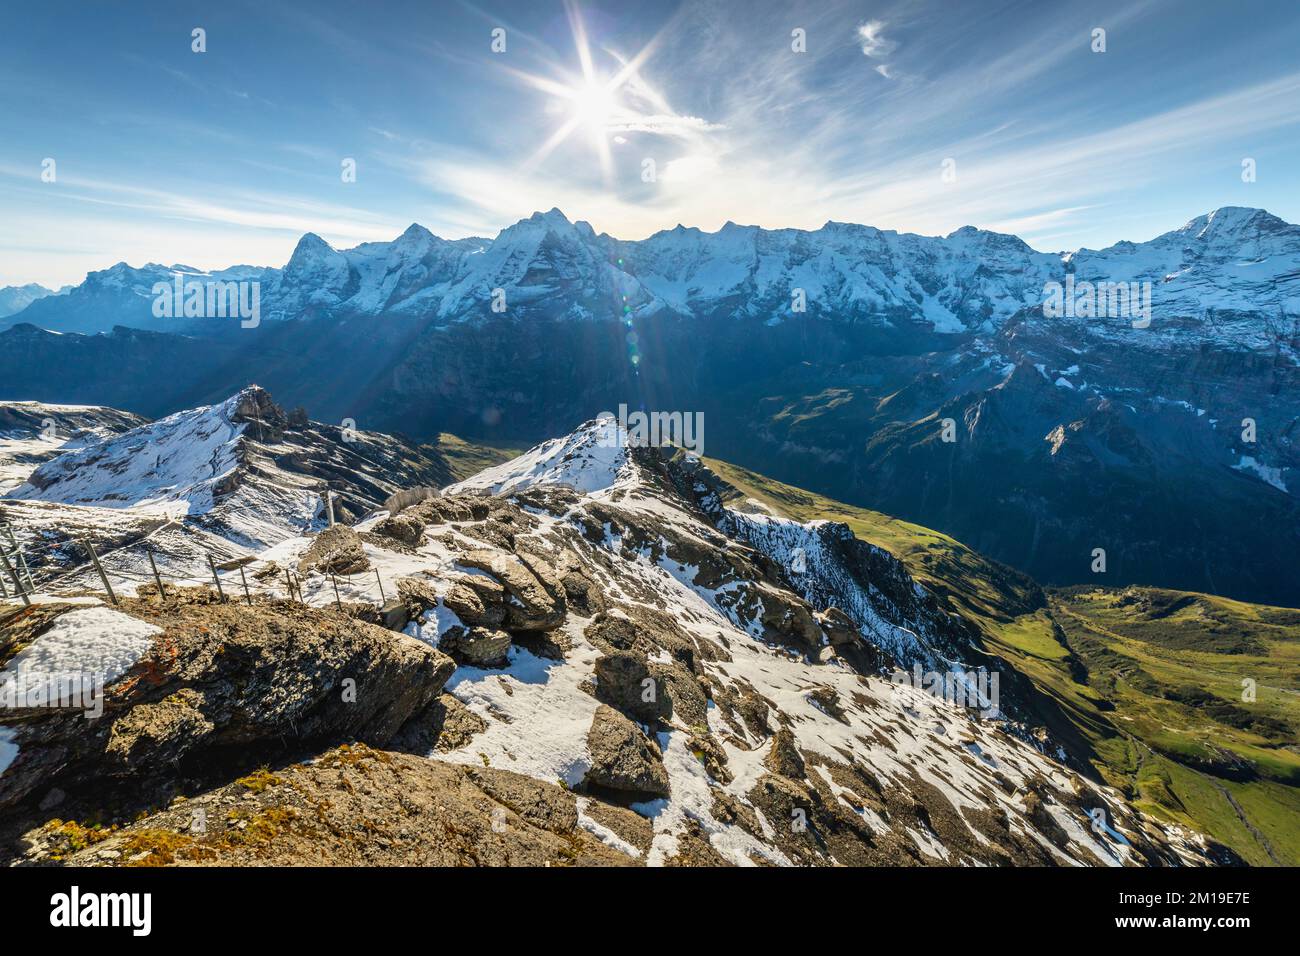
(226, 156)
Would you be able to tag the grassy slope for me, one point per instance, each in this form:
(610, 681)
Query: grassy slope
(1145, 683)
(466, 458)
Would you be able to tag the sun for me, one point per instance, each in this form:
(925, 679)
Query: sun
(589, 101)
(593, 104)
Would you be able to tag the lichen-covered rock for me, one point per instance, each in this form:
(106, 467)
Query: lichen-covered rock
(355, 806)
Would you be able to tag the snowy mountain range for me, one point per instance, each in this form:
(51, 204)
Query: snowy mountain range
(1232, 260)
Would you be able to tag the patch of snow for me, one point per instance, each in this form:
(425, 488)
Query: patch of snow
(8, 749)
(91, 640)
(1268, 473)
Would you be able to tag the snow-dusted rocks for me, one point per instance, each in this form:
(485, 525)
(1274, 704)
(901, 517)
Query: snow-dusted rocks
(222, 481)
(713, 699)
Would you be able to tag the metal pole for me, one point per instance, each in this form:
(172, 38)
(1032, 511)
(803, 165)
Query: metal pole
(18, 585)
(329, 506)
(248, 597)
(337, 601)
(156, 576)
(216, 577)
(100, 568)
(382, 599)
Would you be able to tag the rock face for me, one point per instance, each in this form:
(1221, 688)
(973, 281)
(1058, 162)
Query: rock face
(476, 646)
(623, 758)
(624, 681)
(222, 683)
(406, 528)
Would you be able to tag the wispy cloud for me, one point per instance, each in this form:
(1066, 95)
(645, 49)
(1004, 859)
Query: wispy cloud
(871, 36)
(178, 157)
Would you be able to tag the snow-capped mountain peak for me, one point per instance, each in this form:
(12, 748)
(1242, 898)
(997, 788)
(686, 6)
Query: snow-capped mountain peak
(181, 462)
(591, 458)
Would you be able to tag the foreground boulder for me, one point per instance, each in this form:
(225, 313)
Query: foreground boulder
(222, 684)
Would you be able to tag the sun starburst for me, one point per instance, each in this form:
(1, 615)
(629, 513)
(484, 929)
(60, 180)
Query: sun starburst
(590, 102)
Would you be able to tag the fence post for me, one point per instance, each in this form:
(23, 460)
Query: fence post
(337, 600)
(22, 560)
(156, 576)
(216, 577)
(18, 585)
(22, 563)
(248, 597)
(100, 568)
(382, 599)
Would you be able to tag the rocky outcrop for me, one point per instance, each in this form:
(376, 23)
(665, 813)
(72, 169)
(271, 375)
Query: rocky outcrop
(477, 600)
(350, 806)
(784, 757)
(624, 681)
(223, 684)
(539, 600)
(405, 528)
(476, 646)
(336, 550)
